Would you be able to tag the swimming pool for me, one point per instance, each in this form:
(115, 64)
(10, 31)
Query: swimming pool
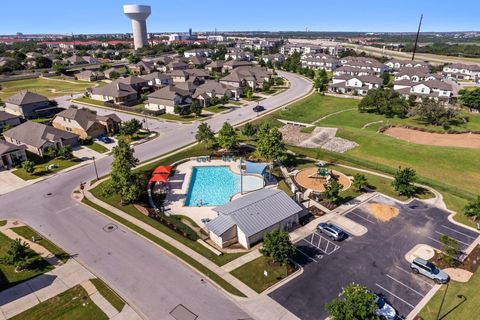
(215, 185)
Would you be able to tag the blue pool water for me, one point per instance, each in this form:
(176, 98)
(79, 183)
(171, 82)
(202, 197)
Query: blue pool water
(215, 185)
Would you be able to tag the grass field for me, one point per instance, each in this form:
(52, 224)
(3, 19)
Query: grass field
(50, 88)
(216, 109)
(8, 276)
(186, 118)
(110, 295)
(71, 304)
(252, 273)
(461, 301)
(89, 101)
(97, 147)
(28, 233)
(40, 170)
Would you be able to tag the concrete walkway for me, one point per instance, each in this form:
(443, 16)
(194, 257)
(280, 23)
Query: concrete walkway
(246, 258)
(198, 257)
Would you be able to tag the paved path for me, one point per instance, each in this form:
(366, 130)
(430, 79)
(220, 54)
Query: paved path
(246, 258)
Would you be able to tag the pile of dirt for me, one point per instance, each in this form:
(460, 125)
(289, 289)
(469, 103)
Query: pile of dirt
(463, 140)
(383, 212)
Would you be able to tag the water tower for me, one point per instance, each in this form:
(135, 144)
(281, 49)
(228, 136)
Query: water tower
(138, 14)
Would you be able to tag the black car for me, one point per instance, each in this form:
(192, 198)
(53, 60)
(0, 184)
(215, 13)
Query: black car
(258, 108)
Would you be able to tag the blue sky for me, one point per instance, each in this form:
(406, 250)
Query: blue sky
(105, 16)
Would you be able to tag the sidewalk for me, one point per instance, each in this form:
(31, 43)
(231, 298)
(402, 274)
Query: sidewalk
(201, 259)
(246, 258)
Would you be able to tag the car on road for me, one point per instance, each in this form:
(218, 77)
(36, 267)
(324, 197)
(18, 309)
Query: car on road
(105, 139)
(428, 269)
(384, 310)
(332, 231)
(258, 108)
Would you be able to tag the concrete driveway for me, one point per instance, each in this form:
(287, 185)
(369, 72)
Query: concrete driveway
(375, 259)
(10, 182)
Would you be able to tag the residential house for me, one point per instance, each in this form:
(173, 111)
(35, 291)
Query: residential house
(89, 75)
(462, 71)
(167, 98)
(7, 119)
(197, 61)
(11, 154)
(415, 74)
(232, 64)
(358, 85)
(200, 74)
(396, 64)
(247, 219)
(252, 76)
(204, 52)
(177, 65)
(29, 105)
(215, 66)
(116, 92)
(178, 75)
(323, 61)
(86, 123)
(212, 88)
(433, 89)
(365, 63)
(278, 57)
(37, 137)
(143, 67)
(158, 79)
(137, 83)
(239, 55)
(344, 70)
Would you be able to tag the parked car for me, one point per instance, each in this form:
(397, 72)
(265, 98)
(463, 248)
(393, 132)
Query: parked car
(258, 108)
(332, 231)
(428, 269)
(105, 139)
(384, 310)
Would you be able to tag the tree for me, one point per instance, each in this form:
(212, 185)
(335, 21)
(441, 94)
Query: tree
(28, 166)
(17, 254)
(470, 98)
(386, 78)
(433, 112)
(205, 134)
(332, 191)
(129, 127)
(133, 58)
(270, 145)
(59, 68)
(404, 180)
(450, 250)
(359, 181)
(43, 62)
(358, 303)
(114, 75)
(248, 92)
(472, 209)
(277, 245)
(227, 137)
(51, 152)
(249, 130)
(196, 108)
(65, 153)
(123, 181)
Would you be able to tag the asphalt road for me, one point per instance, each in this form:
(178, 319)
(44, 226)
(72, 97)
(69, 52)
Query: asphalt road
(149, 279)
(376, 260)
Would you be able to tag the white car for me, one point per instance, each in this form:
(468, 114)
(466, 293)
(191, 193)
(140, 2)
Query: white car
(384, 310)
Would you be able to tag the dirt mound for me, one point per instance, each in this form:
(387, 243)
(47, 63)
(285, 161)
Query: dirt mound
(462, 140)
(383, 212)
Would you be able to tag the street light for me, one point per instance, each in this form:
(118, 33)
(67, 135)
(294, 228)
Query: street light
(95, 166)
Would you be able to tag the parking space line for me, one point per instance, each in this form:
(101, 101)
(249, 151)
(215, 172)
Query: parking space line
(406, 286)
(435, 240)
(416, 278)
(466, 235)
(410, 305)
(306, 255)
(443, 234)
(368, 220)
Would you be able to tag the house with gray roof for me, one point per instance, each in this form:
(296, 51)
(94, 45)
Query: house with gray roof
(358, 85)
(86, 123)
(158, 79)
(7, 119)
(37, 137)
(29, 105)
(247, 219)
(211, 88)
(252, 76)
(168, 98)
(89, 75)
(117, 92)
(11, 154)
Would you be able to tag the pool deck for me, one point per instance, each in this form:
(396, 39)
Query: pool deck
(179, 188)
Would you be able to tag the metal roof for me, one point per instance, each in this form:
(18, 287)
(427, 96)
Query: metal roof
(254, 212)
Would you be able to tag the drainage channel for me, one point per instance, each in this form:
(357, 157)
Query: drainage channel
(110, 227)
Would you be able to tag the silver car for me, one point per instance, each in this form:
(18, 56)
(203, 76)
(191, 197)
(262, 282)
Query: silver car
(428, 269)
(331, 230)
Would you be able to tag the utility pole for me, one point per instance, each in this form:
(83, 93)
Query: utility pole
(241, 177)
(95, 166)
(416, 38)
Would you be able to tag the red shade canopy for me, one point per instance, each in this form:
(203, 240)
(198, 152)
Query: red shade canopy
(162, 169)
(161, 177)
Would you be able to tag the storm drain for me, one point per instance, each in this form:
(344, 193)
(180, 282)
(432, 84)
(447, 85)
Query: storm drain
(48, 195)
(110, 227)
(182, 313)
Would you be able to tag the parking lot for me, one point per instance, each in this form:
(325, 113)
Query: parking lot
(376, 259)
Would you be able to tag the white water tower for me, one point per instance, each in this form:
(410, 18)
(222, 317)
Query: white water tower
(138, 14)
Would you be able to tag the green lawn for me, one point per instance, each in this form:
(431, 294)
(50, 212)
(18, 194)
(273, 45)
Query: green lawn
(49, 88)
(180, 254)
(176, 117)
(110, 295)
(97, 147)
(455, 307)
(40, 168)
(216, 109)
(252, 273)
(89, 101)
(28, 233)
(71, 304)
(3, 222)
(8, 276)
